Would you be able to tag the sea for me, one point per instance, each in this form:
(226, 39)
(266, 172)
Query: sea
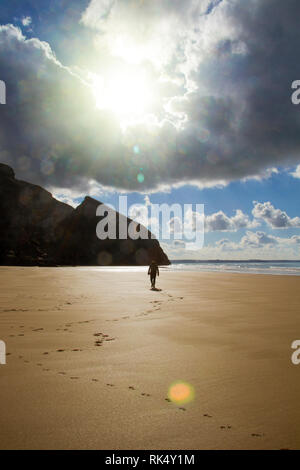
(288, 268)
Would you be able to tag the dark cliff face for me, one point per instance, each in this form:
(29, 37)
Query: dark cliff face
(36, 229)
(80, 231)
(28, 219)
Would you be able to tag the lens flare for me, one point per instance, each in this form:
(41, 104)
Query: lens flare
(181, 392)
(140, 178)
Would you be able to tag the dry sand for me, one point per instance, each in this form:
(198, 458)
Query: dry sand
(228, 335)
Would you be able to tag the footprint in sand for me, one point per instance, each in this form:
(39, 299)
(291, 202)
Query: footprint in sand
(207, 415)
(131, 387)
(256, 435)
(110, 385)
(62, 373)
(145, 394)
(95, 380)
(168, 400)
(60, 350)
(74, 378)
(182, 409)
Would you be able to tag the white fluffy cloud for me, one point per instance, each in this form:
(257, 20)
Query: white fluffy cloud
(253, 245)
(258, 241)
(26, 21)
(275, 218)
(221, 222)
(296, 173)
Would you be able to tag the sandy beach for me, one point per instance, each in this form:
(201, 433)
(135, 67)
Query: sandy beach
(91, 356)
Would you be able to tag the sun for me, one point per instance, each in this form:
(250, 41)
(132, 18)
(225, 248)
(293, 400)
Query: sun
(127, 93)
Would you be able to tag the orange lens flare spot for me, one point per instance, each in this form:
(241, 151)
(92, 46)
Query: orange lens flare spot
(181, 392)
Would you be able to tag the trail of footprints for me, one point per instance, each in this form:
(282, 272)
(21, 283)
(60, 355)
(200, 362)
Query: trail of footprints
(156, 306)
(99, 339)
(133, 389)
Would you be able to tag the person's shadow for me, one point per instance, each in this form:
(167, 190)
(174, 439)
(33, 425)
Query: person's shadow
(156, 289)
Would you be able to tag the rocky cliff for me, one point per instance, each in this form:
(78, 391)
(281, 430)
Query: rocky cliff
(36, 229)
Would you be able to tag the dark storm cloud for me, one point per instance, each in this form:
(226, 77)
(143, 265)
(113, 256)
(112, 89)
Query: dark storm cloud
(49, 129)
(237, 121)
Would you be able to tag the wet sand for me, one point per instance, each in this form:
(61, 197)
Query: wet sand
(91, 356)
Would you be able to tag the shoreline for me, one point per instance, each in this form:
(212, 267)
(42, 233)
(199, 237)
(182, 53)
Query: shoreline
(168, 269)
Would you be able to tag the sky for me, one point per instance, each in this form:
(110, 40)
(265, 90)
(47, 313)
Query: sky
(167, 102)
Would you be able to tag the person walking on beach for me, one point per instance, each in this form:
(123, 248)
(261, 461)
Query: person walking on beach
(152, 272)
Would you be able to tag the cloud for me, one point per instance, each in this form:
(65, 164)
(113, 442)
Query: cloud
(257, 240)
(295, 239)
(26, 21)
(74, 197)
(221, 222)
(50, 131)
(221, 113)
(275, 218)
(296, 173)
(254, 245)
(253, 241)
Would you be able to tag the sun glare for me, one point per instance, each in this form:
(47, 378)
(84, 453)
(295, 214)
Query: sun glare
(127, 94)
